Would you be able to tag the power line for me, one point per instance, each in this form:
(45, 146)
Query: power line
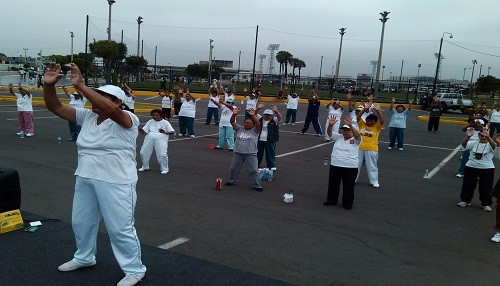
(486, 54)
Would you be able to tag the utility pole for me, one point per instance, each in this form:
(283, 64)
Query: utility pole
(383, 20)
(72, 36)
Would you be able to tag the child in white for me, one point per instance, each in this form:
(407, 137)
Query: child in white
(252, 101)
(334, 110)
(291, 107)
(157, 130)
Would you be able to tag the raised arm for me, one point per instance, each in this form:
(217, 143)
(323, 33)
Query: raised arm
(54, 105)
(236, 110)
(331, 121)
(256, 121)
(392, 102)
(379, 114)
(274, 108)
(11, 89)
(65, 90)
(470, 132)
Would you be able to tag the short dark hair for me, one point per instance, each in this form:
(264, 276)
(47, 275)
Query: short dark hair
(157, 110)
(372, 117)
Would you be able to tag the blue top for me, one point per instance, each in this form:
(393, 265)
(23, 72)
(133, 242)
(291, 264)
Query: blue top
(398, 119)
(313, 108)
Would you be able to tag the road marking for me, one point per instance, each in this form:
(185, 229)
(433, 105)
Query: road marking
(41, 117)
(149, 98)
(187, 137)
(303, 150)
(173, 243)
(441, 165)
(423, 146)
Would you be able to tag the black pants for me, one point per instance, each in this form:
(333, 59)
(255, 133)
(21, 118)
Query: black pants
(166, 112)
(177, 108)
(315, 122)
(473, 177)
(433, 123)
(348, 178)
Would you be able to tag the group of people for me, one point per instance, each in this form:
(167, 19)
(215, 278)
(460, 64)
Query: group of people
(106, 175)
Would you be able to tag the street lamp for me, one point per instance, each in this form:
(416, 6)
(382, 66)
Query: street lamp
(418, 77)
(438, 62)
(139, 22)
(25, 59)
(72, 36)
(463, 78)
(383, 20)
(401, 74)
(110, 2)
(210, 63)
(474, 62)
(342, 32)
(489, 70)
(383, 69)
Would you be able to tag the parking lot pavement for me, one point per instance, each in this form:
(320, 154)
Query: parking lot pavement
(407, 231)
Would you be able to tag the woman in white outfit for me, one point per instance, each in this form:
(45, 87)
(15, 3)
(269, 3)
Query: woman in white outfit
(106, 176)
(157, 132)
(334, 110)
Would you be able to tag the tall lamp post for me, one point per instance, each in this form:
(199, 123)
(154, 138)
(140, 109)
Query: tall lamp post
(401, 74)
(463, 78)
(210, 63)
(489, 70)
(25, 58)
(438, 63)
(418, 79)
(474, 62)
(72, 36)
(110, 2)
(342, 32)
(383, 20)
(139, 22)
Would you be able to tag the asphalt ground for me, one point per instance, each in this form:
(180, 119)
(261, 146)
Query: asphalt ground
(409, 231)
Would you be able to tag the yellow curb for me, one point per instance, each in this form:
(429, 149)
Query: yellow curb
(449, 120)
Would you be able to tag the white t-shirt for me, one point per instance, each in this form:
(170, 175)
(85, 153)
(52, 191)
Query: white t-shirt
(251, 103)
(229, 96)
(225, 116)
(188, 108)
(210, 103)
(78, 103)
(345, 152)
(106, 152)
(264, 128)
(166, 102)
(486, 161)
(292, 103)
(129, 102)
(24, 103)
(152, 128)
(335, 112)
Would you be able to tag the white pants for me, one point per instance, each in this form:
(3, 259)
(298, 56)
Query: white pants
(370, 158)
(335, 127)
(161, 149)
(115, 203)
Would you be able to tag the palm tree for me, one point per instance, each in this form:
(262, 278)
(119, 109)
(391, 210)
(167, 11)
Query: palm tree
(283, 58)
(300, 64)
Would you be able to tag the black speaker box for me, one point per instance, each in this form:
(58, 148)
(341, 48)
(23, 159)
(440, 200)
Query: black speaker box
(10, 190)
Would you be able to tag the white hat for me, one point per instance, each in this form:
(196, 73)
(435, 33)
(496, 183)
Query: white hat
(268, 112)
(480, 121)
(112, 90)
(345, 126)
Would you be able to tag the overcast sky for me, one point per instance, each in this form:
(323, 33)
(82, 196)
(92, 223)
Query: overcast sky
(308, 29)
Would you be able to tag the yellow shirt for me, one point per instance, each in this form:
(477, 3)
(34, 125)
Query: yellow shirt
(369, 135)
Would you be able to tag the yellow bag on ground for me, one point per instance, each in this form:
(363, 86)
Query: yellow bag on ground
(11, 220)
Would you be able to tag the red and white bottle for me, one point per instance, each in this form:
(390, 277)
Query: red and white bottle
(218, 184)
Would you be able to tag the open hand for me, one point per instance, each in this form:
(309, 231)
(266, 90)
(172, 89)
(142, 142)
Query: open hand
(52, 74)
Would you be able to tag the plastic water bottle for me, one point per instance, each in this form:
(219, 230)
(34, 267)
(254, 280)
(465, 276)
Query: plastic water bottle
(325, 161)
(59, 139)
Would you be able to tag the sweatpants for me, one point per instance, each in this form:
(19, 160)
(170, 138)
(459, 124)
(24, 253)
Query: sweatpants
(483, 178)
(370, 158)
(250, 161)
(25, 121)
(161, 149)
(115, 203)
(226, 134)
(347, 176)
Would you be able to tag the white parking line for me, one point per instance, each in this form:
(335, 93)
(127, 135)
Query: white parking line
(303, 150)
(173, 243)
(441, 165)
(41, 117)
(187, 137)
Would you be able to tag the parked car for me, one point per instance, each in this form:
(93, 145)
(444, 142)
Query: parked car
(454, 101)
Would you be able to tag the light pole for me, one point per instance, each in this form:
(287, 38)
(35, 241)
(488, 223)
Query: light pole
(489, 70)
(480, 70)
(438, 62)
(390, 82)
(72, 36)
(418, 76)
(210, 63)
(401, 74)
(25, 59)
(110, 2)
(474, 62)
(463, 78)
(383, 69)
(139, 22)
(383, 20)
(342, 32)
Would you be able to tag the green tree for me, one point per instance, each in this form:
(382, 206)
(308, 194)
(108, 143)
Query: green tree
(135, 64)
(112, 54)
(488, 84)
(283, 58)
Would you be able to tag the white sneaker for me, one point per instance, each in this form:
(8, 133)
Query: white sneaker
(164, 172)
(293, 123)
(71, 265)
(390, 148)
(459, 175)
(20, 133)
(274, 169)
(30, 134)
(192, 136)
(400, 149)
(463, 204)
(496, 237)
(487, 208)
(376, 185)
(142, 169)
(130, 279)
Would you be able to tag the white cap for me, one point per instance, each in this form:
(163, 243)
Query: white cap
(345, 126)
(112, 90)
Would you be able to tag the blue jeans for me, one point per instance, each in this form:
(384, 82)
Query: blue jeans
(270, 149)
(291, 113)
(465, 158)
(186, 122)
(396, 133)
(74, 129)
(212, 111)
(494, 126)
